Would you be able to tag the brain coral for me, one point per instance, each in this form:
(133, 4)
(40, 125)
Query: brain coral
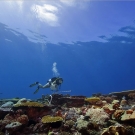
(29, 104)
(51, 119)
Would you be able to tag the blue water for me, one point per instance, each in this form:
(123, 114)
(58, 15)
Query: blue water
(86, 67)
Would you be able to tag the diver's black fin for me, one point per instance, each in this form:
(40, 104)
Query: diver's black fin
(36, 90)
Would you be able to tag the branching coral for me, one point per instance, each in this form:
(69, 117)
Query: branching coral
(97, 115)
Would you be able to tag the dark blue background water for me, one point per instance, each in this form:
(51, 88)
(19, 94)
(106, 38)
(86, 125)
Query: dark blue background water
(86, 67)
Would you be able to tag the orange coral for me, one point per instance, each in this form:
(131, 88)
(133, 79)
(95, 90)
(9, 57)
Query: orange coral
(108, 110)
(114, 130)
(129, 111)
(116, 106)
(117, 114)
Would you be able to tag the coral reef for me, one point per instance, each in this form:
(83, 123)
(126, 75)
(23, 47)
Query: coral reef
(33, 109)
(69, 115)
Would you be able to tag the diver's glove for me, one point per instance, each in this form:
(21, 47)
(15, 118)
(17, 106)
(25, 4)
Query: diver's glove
(35, 83)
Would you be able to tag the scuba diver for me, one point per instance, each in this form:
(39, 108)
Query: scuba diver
(53, 83)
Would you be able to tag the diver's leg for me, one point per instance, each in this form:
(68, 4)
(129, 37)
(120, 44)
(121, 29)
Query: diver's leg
(46, 85)
(33, 84)
(41, 86)
(36, 91)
